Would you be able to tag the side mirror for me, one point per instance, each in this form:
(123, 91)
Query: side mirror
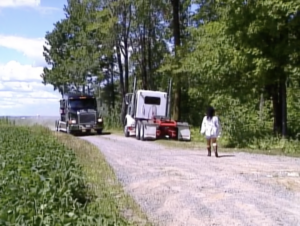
(62, 103)
(129, 109)
(128, 98)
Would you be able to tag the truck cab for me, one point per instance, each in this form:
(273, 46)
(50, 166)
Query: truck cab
(79, 114)
(147, 104)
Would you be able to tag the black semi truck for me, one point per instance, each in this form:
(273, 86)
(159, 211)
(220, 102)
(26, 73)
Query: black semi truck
(78, 114)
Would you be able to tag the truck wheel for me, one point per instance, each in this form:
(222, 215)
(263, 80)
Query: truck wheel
(142, 130)
(137, 130)
(68, 129)
(99, 131)
(56, 126)
(126, 132)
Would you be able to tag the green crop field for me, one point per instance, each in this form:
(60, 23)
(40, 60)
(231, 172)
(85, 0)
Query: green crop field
(47, 178)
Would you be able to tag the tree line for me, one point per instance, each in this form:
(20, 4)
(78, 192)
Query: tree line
(242, 57)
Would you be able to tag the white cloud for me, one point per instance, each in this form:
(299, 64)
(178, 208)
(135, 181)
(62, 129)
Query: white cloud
(32, 48)
(34, 4)
(22, 91)
(19, 3)
(14, 71)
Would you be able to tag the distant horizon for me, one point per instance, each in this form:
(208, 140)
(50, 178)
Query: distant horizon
(36, 116)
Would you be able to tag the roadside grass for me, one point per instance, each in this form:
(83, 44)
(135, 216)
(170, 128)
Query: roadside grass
(115, 131)
(42, 183)
(50, 178)
(266, 146)
(103, 181)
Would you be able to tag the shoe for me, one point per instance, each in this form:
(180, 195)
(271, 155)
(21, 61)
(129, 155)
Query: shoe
(216, 151)
(209, 151)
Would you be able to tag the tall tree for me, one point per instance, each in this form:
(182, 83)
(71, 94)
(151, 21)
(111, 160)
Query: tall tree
(269, 42)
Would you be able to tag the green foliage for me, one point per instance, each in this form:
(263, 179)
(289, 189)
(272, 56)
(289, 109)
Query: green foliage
(113, 120)
(294, 112)
(41, 182)
(241, 122)
(231, 54)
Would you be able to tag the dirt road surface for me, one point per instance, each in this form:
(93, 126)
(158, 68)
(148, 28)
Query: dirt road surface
(185, 187)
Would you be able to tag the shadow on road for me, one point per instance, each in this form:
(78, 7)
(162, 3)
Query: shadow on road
(225, 156)
(92, 134)
(104, 133)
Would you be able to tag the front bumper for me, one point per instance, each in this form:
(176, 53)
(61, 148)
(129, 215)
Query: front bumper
(86, 127)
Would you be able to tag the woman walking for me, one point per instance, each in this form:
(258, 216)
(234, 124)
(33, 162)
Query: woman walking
(211, 128)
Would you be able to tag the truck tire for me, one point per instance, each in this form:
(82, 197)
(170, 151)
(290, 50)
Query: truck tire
(142, 131)
(68, 129)
(125, 130)
(99, 131)
(56, 126)
(137, 130)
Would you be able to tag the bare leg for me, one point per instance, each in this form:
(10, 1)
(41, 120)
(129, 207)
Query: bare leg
(208, 141)
(215, 146)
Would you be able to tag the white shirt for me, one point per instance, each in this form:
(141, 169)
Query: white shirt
(211, 127)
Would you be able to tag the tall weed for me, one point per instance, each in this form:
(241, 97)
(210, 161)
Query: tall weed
(113, 120)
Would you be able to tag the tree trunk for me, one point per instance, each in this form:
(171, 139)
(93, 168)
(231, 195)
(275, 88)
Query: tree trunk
(126, 27)
(283, 108)
(122, 90)
(126, 61)
(109, 108)
(176, 35)
(144, 60)
(143, 51)
(276, 109)
(261, 106)
(149, 49)
(112, 86)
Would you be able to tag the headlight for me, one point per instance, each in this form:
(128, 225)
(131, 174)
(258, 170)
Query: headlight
(99, 119)
(73, 121)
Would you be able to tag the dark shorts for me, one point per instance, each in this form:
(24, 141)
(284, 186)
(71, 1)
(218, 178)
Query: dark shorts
(210, 137)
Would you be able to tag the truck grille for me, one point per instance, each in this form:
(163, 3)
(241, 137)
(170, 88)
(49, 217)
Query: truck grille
(87, 118)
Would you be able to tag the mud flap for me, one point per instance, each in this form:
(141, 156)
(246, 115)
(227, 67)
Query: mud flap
(150, 130)
(184, 132)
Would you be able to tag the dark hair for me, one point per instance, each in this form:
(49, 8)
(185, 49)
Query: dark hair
(210, 112)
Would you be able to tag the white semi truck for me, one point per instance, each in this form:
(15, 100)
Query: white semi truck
(148, 116)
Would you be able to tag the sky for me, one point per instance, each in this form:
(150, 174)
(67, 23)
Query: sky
(23, 25)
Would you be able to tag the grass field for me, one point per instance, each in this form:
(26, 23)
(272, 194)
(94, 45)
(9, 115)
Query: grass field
(50, 178)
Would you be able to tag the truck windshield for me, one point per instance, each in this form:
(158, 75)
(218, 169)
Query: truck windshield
(83, 104)
(152, 100)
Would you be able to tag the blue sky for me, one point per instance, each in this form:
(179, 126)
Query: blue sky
(23, 25)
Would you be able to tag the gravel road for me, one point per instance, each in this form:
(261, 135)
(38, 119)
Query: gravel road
(185, 187)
